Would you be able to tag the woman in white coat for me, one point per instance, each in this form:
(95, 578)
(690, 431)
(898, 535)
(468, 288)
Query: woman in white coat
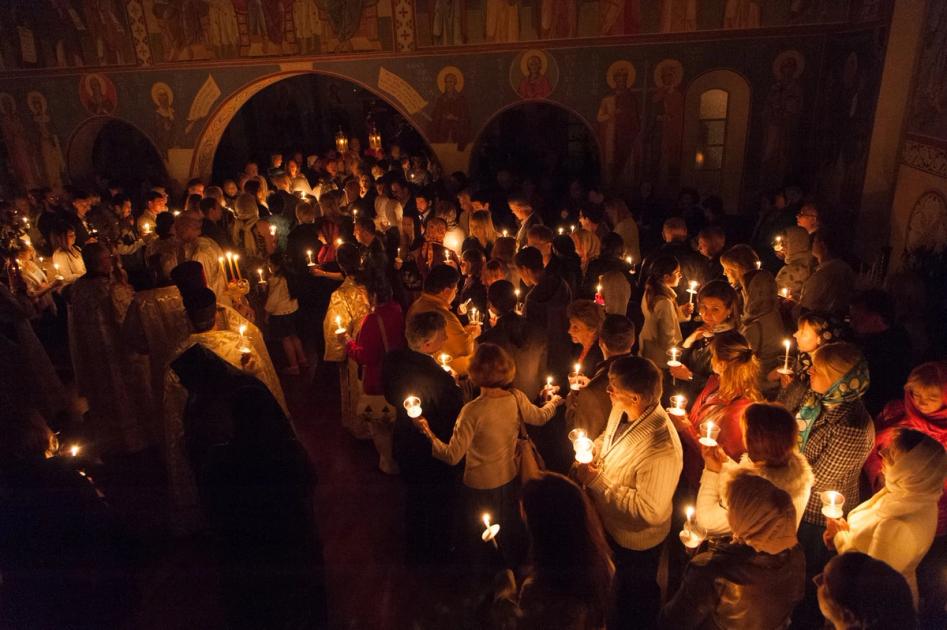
(897, 525)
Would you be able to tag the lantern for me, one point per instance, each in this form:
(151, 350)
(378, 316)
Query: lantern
(341, 141)
(374, 139)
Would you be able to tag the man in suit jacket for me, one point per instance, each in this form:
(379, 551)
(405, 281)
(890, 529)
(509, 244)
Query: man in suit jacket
(589, 407)
(631, 483)
(430, 484)
(525, 343)
(523, 211)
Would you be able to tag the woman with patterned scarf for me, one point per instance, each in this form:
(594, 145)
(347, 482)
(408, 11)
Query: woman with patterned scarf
(250, 233)
(814, 330)
(836, 435)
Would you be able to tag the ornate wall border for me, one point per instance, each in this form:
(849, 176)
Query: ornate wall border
(925, 157)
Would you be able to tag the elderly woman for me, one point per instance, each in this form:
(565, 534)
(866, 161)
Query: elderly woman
(249, 232)
(585, 322)
(769, 433)
(754, 579)
(897, 525)
(799, 263)
(485, 437)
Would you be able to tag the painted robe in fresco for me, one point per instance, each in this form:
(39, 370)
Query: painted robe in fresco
(559, 19)
(19, 151)
(448, 26)
(620, 124)
(50, 152)
(678, 16)
(781, 120)
(741, 14)
(502, 21)
(671, 125)
(451, 119)
(620, 17)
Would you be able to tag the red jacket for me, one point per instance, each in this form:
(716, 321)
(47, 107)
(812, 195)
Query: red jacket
(369, 348)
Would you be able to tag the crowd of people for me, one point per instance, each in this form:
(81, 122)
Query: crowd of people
(603, 414)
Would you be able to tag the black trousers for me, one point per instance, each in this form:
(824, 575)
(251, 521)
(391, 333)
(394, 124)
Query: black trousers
(636, 596)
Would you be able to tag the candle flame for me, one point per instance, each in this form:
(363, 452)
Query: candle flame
(548, 380)
(689, 512)
(486, 520)
(787, 343)
(74, 450)
(598, 288)
(693, 284)
(243, 329)
(578, 368)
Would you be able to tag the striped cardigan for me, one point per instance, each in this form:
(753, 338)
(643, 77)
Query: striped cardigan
(639, 473)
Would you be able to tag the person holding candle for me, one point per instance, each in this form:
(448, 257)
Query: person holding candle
(609, 260)
(632, 482)
(798, 262)
(567, 585)
(66, 255)
(662, 315)
(716, 302)
(281, 308)
(440, 288)
(625, 226)
(897, 525)
(199, 248)
(616, 292)
(249, 232)
(772, 452)
(812, 330)
(485, 437)
(762, 323)
(850, 594)
(755, 578)
(733, 387)
(349, 303)
(482, 233)
(589, 407)
(836, 435)
(430, 484)
(585, 322)
(545, 307)
(473, 290)
(587, 248)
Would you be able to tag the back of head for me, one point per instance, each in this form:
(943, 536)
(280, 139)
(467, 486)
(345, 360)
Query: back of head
(593, 212)
(504, 248)
(863, 592)
(422, 327)
(796, 241)
(567, 541)
(349, 259)
(740, 373)
(613, 245)
(501, 297)
(917, 467)
(617, 334)
(616, 291)
(837, 359)
(529, 258)
(92, 257)
(439, 278)
(637, 375)
(245, 207)
(760, 514)
(541, 233)
(207, 204)
(741, 257)
(492, 366)
(163, 224)
(675, 229)
(770, 432)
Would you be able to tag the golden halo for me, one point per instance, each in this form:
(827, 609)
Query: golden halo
(533, 52)
(786, 54)
(669, 63)
(155, 88)
(442, 75)
(620, 65)
(88, 79)
(31, 96)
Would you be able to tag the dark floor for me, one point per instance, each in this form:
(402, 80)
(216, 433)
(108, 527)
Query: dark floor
(358, 511)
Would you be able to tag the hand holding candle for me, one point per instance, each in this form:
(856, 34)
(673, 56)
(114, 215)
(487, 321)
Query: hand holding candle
(709, 431)
(490, 531)
(693, 534)
(582, 446)
(444, 359)
(574, 378)
(674, 353)
(339, 328)
(692, 289)
(678, 405)
(309, 258)
(785, 369)
(412, 405)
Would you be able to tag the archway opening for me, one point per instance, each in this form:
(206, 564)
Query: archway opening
(302, 114)
(540, 142)
(107, 150)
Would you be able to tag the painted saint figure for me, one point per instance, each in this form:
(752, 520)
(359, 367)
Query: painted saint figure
(670, 118)
(52, 164)
(534, 83)
(678, 16)
(781, 118)
(164, 122)
(448, 23)
(19, 150)
(450, 118)
(619, 120)
(620, 17)
(502, 21)
(558, 19)
(741, 14)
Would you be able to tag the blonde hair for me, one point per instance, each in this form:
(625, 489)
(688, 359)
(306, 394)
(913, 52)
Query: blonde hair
(588, 244)
(492, 366)
(481, 227)
(740, 375)
(930, 375)
(835, 360)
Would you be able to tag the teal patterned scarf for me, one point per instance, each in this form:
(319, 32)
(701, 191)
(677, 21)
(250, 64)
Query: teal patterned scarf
(850, 387)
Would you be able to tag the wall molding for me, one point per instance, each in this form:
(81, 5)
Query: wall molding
(925, 157)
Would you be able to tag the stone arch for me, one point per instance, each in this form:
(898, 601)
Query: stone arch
(595, 150)
(220, 118)
(727, 181)
(79, 147)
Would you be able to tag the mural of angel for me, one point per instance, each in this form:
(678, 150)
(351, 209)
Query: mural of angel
(51, 158)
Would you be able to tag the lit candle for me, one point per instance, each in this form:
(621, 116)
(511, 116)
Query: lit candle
(547, 390)
(692, 290)
(784, 292)
(309, 258)
(445, 360)
(339, 329)
(562, 231)
(474, 315)
(412, 405)
(74, 450)
(490, 531)
(260, 271)
(338, 242)
(354, 213)
(59, 276)
(778, 245)
(146, 228)
(244, 345)
(272, 230)
(229, 256)
(572, 229)
(785, 369)
(674, 353)
(574, 378)
(520, 307)
(223, 270)
(398, 254)
(679, 402)
(759, 264)
(446, 255)
(832, 503)
(506, 233)
(236, 265)
(583, 449)
(708, 433)
(692, 535)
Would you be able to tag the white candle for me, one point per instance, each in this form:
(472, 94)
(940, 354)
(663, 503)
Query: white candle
(679, 402)
(572, 229)
(562, 231)
(260, 271)
(445, 360)
(309, 258)
(547, 390)
(692, 290)
(474, 315)
(446, 255)
(786, 369)
(675, 352)
(272, 230)
(692, 535)
(574, 384)
(784, 292)
(832, 503)
(74, 450)
(146, 228)
(244, 346)
(583, 449)
(759, 264)
(506, 233)
(708, 433)
(412, 405)
(339, 329)
(490, 531)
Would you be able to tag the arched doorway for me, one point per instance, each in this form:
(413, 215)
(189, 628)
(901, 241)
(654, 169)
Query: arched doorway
(297, 112)
(537, 141)
(105, 149)
(716, 115)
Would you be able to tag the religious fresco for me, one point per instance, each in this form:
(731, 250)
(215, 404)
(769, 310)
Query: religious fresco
(927, 113)
(450, 118)
(534, 74)
(64, 34)
(665, 133)
(50, 161)
(781, 115)
(227, 29)
(19, 142)
(619, 119)
(97, 94)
